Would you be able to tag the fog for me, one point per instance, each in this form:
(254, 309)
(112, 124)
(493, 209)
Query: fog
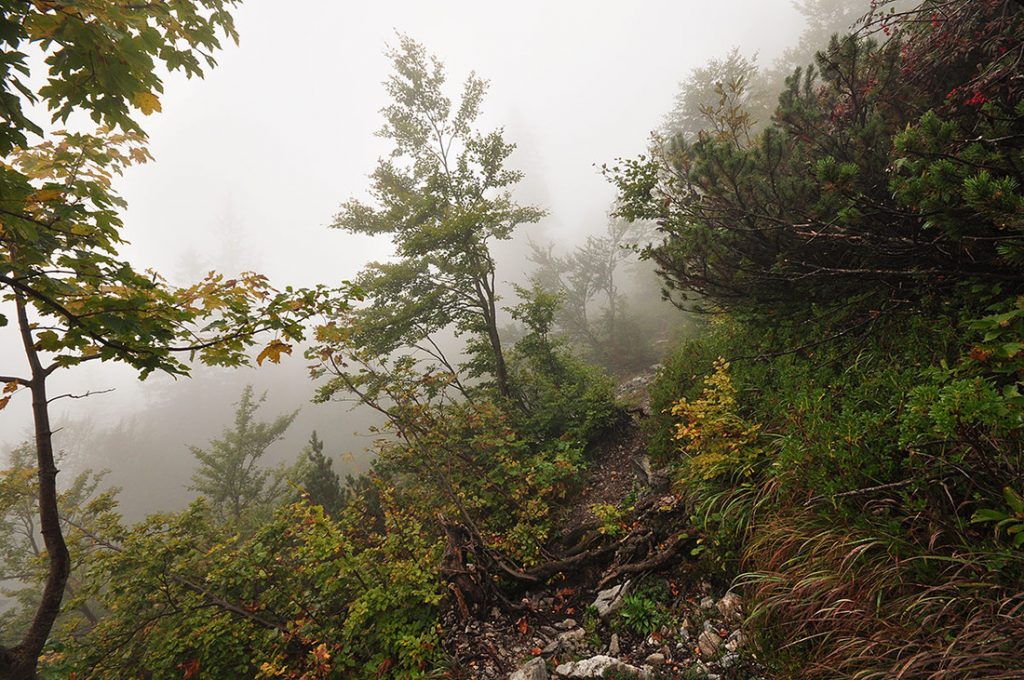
(252, 162)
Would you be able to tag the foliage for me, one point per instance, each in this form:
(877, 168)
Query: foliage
(305, 596)
(720, 440)
(241, 493)
(909, 182)
(319, 481)
(442, 196)
(642, 610)
(84, 509)
(559, 395)
(75, 298)
(75, 36)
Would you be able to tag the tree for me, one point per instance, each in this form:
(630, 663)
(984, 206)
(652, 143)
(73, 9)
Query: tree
(83, 509)
(442, 196)
(593, 313)
(889, 170)
(240, 492)
(74, 299)
(320, 481)
(726, 98)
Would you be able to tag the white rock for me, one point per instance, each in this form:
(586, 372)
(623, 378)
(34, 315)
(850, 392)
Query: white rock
(601, 666)
(534, 669)
(613, 645)
(610, 600)
(736, 641)
(731, 607)
(708, 643)
(656, 659)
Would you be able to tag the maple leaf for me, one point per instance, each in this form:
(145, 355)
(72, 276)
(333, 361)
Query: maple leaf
(273, 352)
(146, 102)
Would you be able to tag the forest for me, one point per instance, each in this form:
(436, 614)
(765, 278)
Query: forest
(764, 421)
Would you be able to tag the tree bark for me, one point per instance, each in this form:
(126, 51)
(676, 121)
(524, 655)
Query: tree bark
(19, 662)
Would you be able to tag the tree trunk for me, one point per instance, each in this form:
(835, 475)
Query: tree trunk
(19, 662)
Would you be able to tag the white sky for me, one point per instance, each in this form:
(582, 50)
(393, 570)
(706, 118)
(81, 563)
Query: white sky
(281, 132)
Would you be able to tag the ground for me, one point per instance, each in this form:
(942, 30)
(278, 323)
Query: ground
(695, 631)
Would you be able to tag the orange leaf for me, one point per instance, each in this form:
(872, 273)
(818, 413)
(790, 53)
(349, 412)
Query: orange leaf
(273, 352)
(522, 625)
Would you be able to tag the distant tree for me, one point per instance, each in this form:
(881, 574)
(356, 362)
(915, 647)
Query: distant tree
(319, 480)
(240, 492)
(593, 314)
(726, 98)
(443, 196)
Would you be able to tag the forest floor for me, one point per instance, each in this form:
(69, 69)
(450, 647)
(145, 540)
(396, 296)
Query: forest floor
(637, 609)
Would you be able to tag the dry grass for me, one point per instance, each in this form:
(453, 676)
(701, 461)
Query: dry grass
(832, 602)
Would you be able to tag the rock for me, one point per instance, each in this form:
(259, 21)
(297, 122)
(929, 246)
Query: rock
(568, 624)
(729, 660)
(602, 666)
(708, 603)
(534, 669)
(566, 642)
(610, 600)
(655, 659)
(708, 643)
(613, 646)
(549, 631)
(731, 607)
(736, 641)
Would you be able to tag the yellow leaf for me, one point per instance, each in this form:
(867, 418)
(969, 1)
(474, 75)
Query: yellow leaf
(44, 195)
(273, 352)
(146, 102)
(10, 387)
(3, 402)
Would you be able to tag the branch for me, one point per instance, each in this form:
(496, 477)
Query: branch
(79, 396)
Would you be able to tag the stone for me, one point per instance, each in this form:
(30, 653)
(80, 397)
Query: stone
(549, 631)
(656, 659)
(565, 642)
(602, 666)
(568, 624)
(708, 643)
(736, 641)
(731, 607)
(610, 600)
(534, 669)
(729, 660)
(707, 603)
(613, 645)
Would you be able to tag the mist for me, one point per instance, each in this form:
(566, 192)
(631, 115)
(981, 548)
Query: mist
(252, 162)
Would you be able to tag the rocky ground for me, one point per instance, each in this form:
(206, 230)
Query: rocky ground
(638, 610)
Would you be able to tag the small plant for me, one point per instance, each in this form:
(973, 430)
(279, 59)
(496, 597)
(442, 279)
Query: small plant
(642, 610)
(1009, 520)
(610, 518)
(717, 440)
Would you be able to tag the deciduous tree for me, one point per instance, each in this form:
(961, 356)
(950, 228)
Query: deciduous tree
(74, 299)
(442, 196)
